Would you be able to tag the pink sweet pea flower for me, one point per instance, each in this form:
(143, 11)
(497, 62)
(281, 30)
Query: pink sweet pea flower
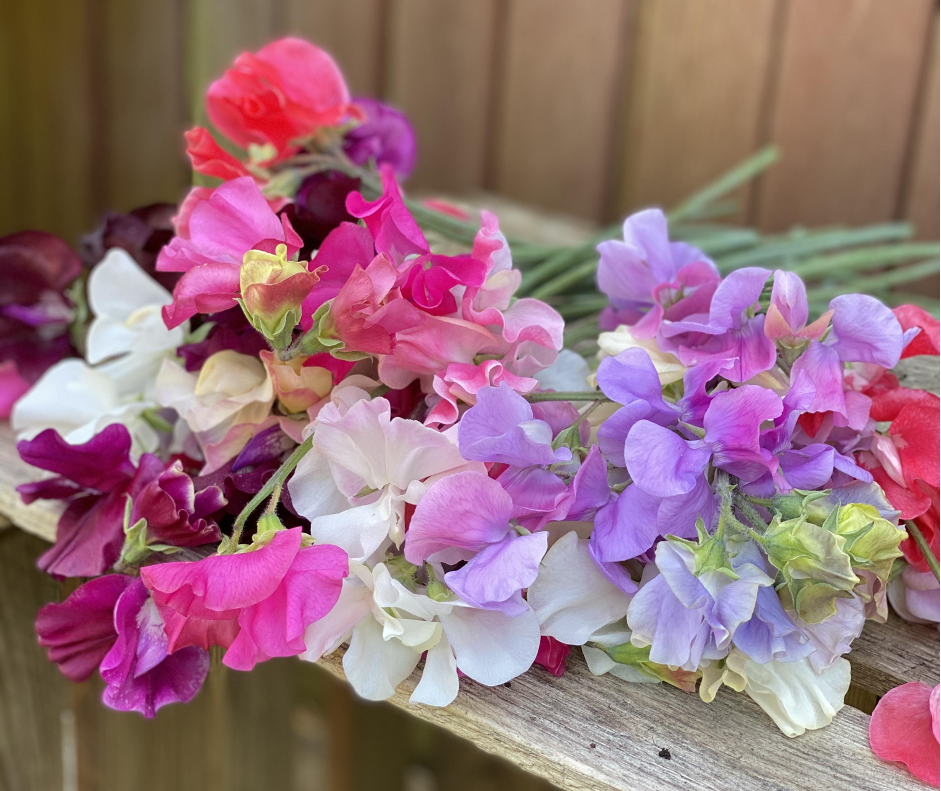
(234, 219)
(209, 158)
(904, 728)
(552, 655)
(928, 340)
(286, 91)
(256, 603)
(786, 318)
(392, 226)
(462, 382)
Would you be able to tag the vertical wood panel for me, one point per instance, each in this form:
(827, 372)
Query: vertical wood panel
(144, 103)
(47, 154)
(556, 110)
(441, 60)
(694, 98)
(845, 100)
(920, 202)
(33, 694)
(350, 30)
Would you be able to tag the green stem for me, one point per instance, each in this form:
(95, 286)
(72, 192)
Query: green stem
(276, 481)
(560, 283)
(926, 552)
(535, 398)
(751, 514)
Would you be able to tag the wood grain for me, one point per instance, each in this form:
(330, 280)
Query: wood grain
(692, 106)
(440, 72)
(351, 31)
(590, 732)
(33, 694)
(845, 98)
(144, 104)
(556, 103)
(47, 161)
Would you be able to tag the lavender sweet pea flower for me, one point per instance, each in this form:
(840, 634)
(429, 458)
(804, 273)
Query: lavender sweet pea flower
(384, 136)
(501, 428)
(630, 271)
(684, 617)
(729, 331)
(466, 516)
(864, 331)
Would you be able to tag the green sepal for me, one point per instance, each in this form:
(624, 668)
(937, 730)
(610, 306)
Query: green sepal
(402, 571)
(280, 334)
(639, 658)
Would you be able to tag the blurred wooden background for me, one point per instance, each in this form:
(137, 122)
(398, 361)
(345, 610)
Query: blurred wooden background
(592, 107)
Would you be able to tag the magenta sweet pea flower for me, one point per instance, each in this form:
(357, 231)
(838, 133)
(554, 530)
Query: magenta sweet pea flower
(234, 219)
(139, 673)
(111, 622)
(255, 603)
(384, 136)
(466, 516)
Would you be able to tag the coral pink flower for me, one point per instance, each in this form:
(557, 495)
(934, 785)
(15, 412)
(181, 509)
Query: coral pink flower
(286, 91)
(222, 227)
(904, 727)
(256, 603)
(925, 342)
(209, 158)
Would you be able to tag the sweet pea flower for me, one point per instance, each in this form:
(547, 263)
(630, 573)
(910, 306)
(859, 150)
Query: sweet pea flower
(94, 478)
(256, 603)
(915, 596)
(209, 158)
(389, 627)
(284, 92)
(365, 466)
(686, 615)
(647, 274)
(466, 517)
(111, 621)
(222, 228)
(863, 330)
(461, 382)
(786, 317)
(34, 315)
(611, 344)
(904, 728)
(300, 382)
(224, 406)
(384, 136)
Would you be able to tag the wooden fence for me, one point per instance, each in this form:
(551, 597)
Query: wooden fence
(592, 107)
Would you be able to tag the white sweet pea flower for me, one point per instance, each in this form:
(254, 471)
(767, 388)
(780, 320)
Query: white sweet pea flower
(794, 696)
(364, 467)
(389, 627)
(127, 343)
(78, 401)
(128, 328)
(568, 374)
(600, 663)
(571, 597)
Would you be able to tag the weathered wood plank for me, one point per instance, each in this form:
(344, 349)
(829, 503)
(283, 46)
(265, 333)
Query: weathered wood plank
(591, 732)
(439, 71)
(144, 104)
(845, 98)
(351, 31)
(893, 653)
(556, 106)
(692, 104)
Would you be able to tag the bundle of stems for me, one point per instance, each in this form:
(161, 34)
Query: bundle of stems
(878, 259)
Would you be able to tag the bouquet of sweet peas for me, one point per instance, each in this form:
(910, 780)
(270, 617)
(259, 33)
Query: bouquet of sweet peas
(299, 424)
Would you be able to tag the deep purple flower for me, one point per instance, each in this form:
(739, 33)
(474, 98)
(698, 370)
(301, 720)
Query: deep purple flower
(320, 206)
(385, 136)
(139, 672)
(231, 330)
(34, 315)
(111, 622)
(95, 478)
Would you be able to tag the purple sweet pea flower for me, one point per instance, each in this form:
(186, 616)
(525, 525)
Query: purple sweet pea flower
(112, 622)
(685, 618)
(139, 672)
(864, 331)
(642, 273)
(501, 428)
(728, 331)
(384, 136)
(466, 516)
